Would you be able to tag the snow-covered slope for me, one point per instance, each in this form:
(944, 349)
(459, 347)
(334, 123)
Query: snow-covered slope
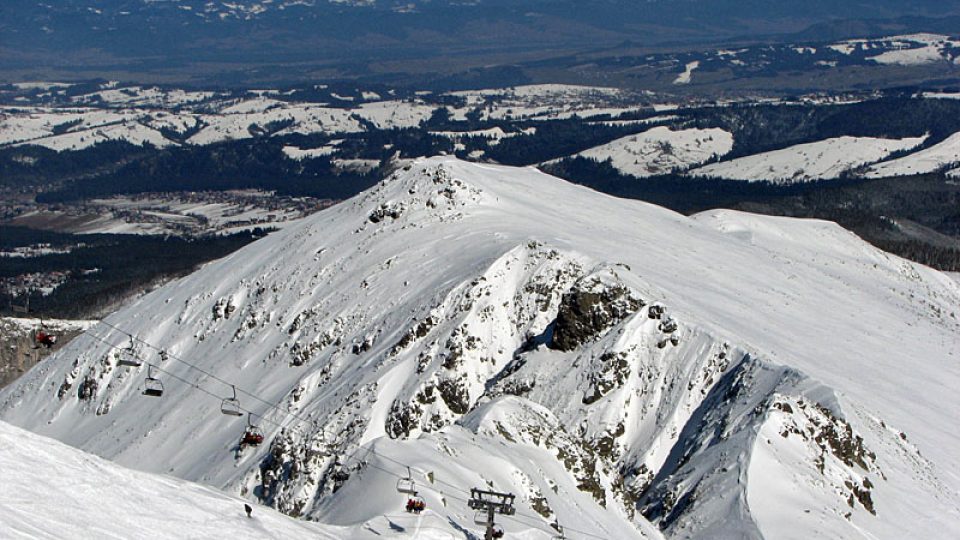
(820, 160)
(661, 150)
(51, 490)
(618, 367)
(77, 128)
(934, 158)
(918, 49)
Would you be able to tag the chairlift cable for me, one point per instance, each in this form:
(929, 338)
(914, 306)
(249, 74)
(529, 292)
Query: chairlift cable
(171, 356)
(367, 448)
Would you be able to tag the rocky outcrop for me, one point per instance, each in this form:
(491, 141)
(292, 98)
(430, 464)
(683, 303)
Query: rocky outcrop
(17, 352)
(594, 305)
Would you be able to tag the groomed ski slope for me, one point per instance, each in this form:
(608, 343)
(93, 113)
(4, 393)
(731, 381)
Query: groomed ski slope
(54, 491)
(446, 279)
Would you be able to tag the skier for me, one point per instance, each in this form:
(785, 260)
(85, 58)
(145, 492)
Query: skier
(248, 509)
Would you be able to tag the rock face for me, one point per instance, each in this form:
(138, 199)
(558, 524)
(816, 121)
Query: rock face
(17, 352)
(591, 307)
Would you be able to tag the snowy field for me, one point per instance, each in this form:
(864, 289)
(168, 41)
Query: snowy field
(937, 157)
(906, 50)
(819, 160)
(661, 150)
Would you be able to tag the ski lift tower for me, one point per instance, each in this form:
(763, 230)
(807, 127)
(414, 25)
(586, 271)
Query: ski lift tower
(490, 503)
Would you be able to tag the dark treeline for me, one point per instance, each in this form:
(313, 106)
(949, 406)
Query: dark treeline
(940, 257)
(109, 267)
(760, 128)
(35, 165)
(248, 164)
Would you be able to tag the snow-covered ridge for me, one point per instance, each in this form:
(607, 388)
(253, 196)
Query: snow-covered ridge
(617, 366)
(820, 160)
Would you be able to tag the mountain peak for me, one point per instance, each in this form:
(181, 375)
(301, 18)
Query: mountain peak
(615, 365)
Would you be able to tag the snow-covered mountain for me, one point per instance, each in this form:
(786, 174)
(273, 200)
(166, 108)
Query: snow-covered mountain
(51, 490)
(623, 370)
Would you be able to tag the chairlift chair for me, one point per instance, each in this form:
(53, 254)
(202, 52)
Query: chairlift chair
(231, 406)
(339, 476)
(41, 337)
(407, 485)
(151, 385)
(416, 504)
(128, 356)
(253, 435)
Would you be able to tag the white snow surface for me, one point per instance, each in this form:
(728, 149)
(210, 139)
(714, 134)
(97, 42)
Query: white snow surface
(299, 154)
(939, 156)
(137, 134)
(661, 150)
(687, 75)
(917, 49)
(51, 490)
(74, 129)
(906, 50)
(819, 160)
(406, 327)
(24, 324)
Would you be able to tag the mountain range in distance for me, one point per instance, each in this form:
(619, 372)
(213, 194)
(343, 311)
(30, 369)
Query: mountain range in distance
(246, 41)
